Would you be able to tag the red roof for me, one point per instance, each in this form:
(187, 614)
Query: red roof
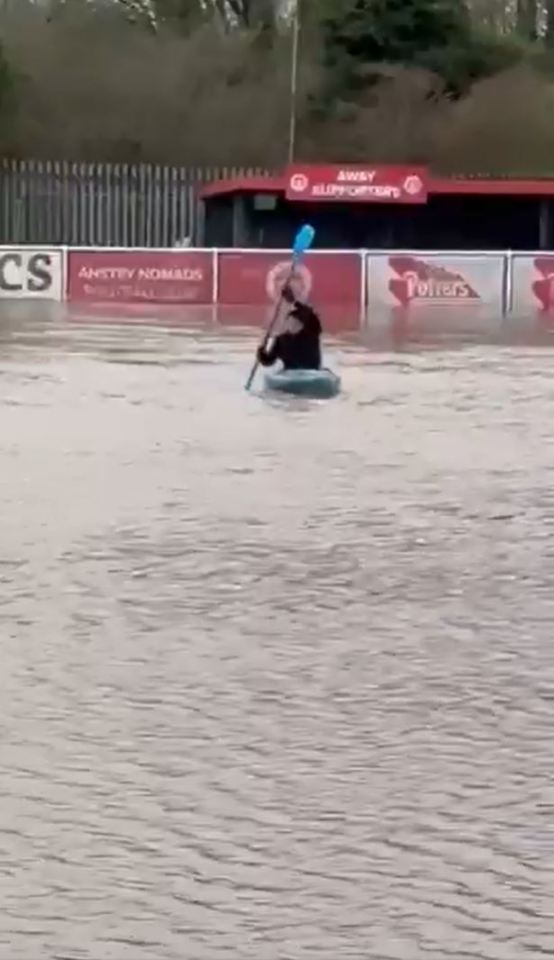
(437, 185)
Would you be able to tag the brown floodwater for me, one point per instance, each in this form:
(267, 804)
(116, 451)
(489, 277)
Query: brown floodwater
(277, 675)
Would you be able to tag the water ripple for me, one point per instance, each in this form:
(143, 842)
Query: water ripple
(277, 677)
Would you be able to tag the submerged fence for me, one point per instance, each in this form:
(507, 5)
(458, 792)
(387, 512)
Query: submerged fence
(102, 204)
(391, 291)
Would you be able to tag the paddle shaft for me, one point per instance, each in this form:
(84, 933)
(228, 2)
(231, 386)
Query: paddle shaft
(271, 325)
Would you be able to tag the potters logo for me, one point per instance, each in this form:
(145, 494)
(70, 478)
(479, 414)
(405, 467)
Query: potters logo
(301, 281)
(421, 282)
(299, 182)
(543, 288)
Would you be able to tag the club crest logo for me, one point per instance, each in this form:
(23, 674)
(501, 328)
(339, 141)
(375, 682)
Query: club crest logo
(301, 281)
(413, 185)
(299, 182)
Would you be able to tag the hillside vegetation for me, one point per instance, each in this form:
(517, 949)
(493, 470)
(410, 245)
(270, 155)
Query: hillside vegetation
(467, 89)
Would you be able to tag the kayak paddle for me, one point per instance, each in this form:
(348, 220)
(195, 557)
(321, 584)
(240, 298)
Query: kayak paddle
(302, 242)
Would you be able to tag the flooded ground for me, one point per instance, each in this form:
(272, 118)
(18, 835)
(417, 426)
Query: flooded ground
(277, 676)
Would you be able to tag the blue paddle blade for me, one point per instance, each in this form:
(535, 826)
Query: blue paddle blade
(303, 240)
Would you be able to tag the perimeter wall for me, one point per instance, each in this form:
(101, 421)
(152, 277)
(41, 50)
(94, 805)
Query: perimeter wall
(355, 290)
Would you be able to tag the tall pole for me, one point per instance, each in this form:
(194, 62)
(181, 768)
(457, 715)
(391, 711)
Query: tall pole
(294, 79)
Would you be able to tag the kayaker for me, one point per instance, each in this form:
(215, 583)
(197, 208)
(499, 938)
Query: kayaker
(298, 347)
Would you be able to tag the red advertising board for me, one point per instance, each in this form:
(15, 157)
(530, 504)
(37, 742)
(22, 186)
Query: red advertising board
(543, 282)
(141, 276)
(356, 183)
(249, 281)
(533, 289)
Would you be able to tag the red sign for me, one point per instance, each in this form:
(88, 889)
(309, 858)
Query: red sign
(141, 276)
(356, 183)
(250, 282)
(543, 288)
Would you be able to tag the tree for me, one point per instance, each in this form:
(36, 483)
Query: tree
(549, 35)
(253, 13)
(243, 14)
(360, 36)
(182, 15)
(527, 19)
(7, 85)
(395, 31)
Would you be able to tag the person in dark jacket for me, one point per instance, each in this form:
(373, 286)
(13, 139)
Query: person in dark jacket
(299, 347)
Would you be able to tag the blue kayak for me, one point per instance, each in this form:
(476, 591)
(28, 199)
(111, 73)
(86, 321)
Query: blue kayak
(319, 384)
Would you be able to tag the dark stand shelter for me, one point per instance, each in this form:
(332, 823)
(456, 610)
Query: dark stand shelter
(253, 212)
